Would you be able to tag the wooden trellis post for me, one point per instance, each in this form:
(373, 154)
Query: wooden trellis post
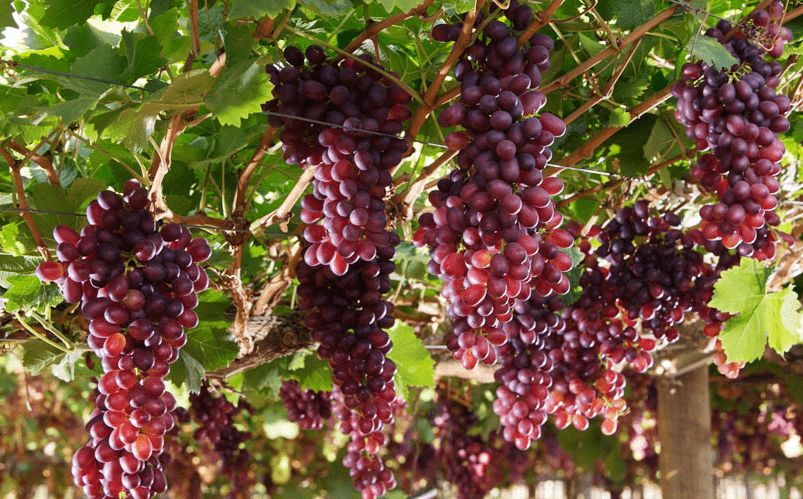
(684, 430)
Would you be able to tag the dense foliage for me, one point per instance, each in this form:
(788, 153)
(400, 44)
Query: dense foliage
(554, 191)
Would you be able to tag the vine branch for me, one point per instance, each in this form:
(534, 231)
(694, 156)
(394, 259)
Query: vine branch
(634, 35)
(23, 202)
(374, 29)
(281, 213)
(589, 146)
(44, 161)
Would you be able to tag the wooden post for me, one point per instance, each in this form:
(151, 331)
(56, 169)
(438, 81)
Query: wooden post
(684, 429)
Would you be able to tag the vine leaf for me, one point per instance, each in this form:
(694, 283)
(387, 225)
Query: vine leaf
(414, 366)
(243, 76)
(403, 5)
(26, 294)
(461, 6)
(249, 82)
(629, 14)
(65, 13)
(13, 241)
(192, 375)
(709, 50)
(103, 62)
(6, 11)
(314, 375)
(142, 53)
(38, 356)
(258, 8)
(762, 316)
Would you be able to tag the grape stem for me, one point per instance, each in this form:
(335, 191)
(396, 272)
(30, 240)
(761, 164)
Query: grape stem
(55, 332)
(245, 176)
(38, 334)
(608, 90)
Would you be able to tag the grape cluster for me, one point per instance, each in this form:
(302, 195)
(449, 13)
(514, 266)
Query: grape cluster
(749, 435)
(366, 468)
(468, 459)
(559, 361)
(493, 233)
(137, 286)
(661, 278)
(416, 460)
(306, 407)
(353, 145)
(348, 318)
(654, 268)
(215, 418)
(737, 115)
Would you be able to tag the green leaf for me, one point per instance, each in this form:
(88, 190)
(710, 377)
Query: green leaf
(210, 347)
(619, 117)
(627, 145)
(65, 205)
(314, 375)
(65, 13)
(136, 125)
(628, 14)
(403, 5)
(70, 110)
(103, 63)
(258, 8)
(762, 317)
(142, 53)
(711, 51)
(15, 266)
(84, 38)
(192, 373)
(6, 10)
(64, 369)
(461, 6)
(661, 143)
(28, 293)
(38, 355)
(266, 378)
(741, 287)
(13, 241)
(414, 365)
(590, 45)
(174, 45)
(249, 82)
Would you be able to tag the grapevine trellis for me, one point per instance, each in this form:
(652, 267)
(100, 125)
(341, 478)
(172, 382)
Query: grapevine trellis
(271, 278)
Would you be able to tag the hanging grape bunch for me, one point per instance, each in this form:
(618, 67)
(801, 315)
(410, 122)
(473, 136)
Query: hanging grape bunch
(353, 145)
(215, 415)
(308, 408)
(493, 234)
(137, 284)
(737, 116)
(345, 270)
